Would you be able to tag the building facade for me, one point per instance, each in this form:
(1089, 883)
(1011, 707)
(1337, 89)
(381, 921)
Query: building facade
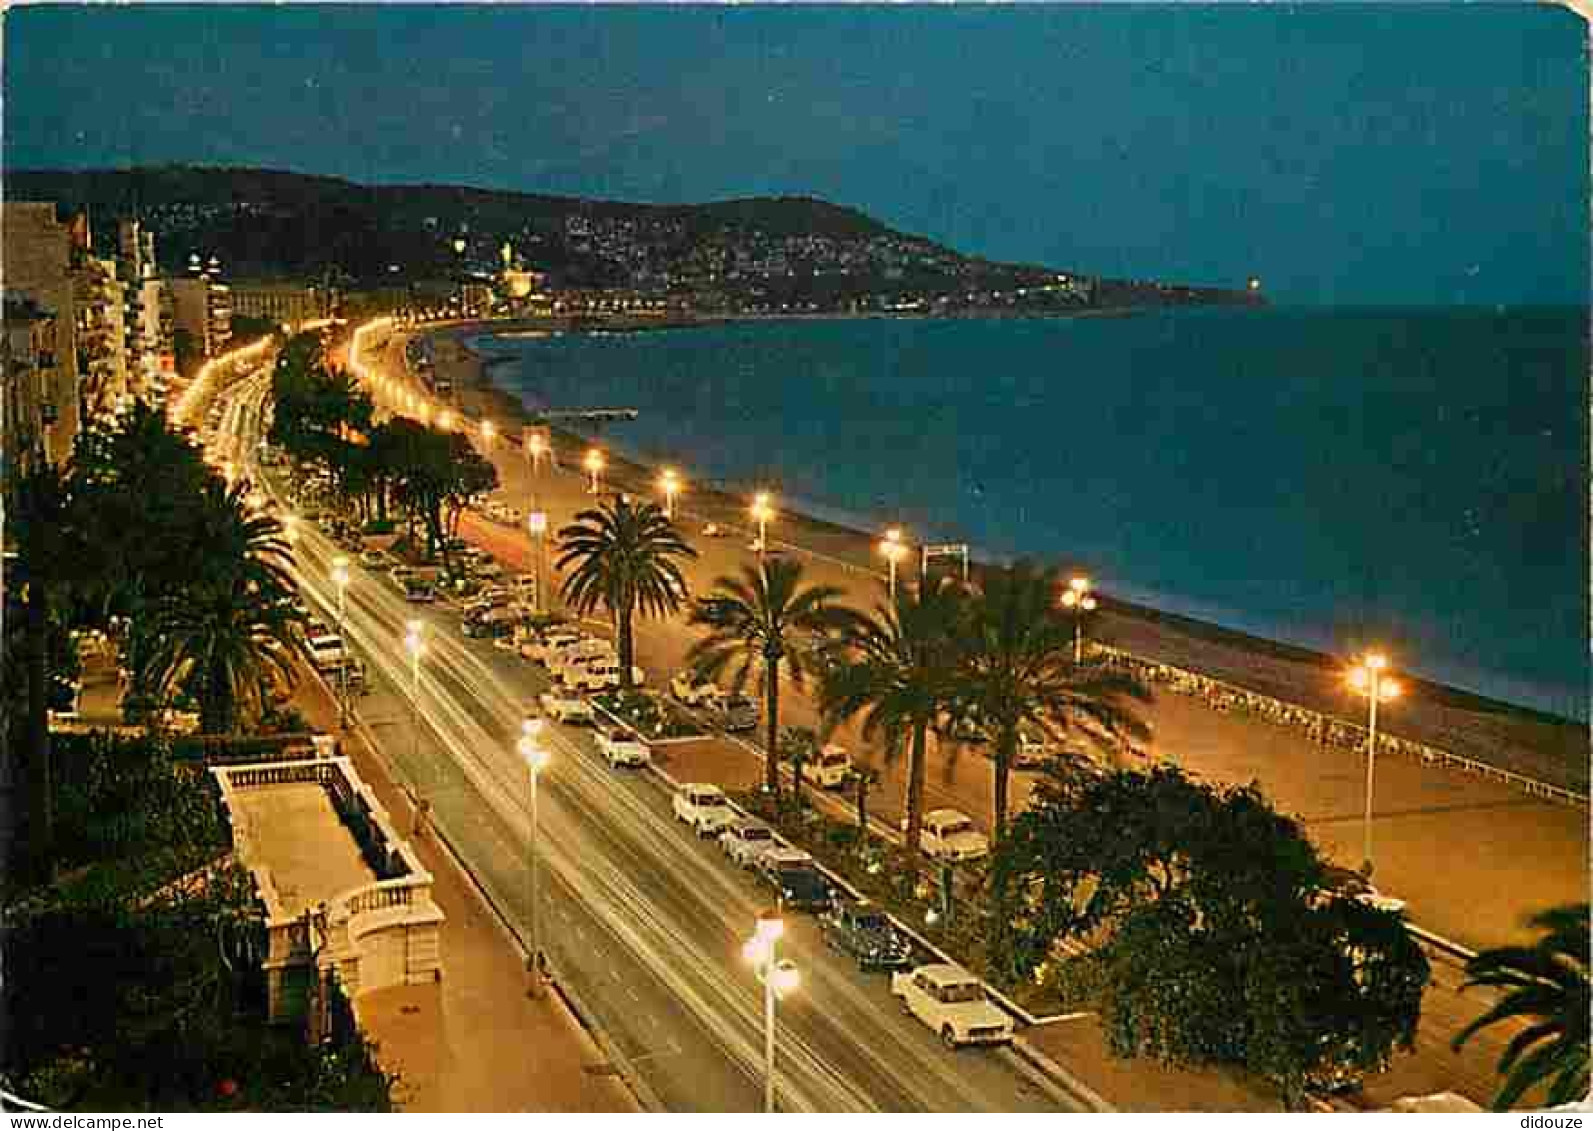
(36, 256)
(28, 360)
(292, 303)
(202, 309)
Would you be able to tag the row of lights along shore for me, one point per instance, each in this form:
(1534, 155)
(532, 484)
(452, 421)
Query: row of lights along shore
(1368, 677)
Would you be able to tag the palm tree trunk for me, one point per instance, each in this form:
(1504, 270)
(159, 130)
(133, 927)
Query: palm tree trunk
(771, 712)
(1001, 766)
(915, 795)
(627, 648)
(214, 713)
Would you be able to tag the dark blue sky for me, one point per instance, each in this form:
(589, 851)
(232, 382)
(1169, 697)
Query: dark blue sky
(1346, 154)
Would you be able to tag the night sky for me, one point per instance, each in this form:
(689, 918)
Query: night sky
(1346, 154)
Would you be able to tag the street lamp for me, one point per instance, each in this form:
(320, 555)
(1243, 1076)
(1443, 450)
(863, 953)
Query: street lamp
(537, 523)
(536, 447)
(779, 978)
(417, 648)
(669, 483)
(1367, 679)
(536, 760)
(340, 579)
(1079, 600)
(892, 547)
(487, 433)
(594, 467)
(762, 512)
(445, 420)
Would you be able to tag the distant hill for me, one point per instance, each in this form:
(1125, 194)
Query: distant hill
(799, 251)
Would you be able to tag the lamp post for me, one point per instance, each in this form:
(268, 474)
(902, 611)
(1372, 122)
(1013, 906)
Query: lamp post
(417, 647)
(488, 431)
(779, 978)
(536, 760)
(340, 579)
(594, 468)
(669, 483)
(762, 511)
(445, 420)
(537, 523)
(892, 547)
(536, 447)
(1078, 599)
(1367, 679)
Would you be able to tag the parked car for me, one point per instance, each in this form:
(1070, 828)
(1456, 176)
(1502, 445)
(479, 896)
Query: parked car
(401, 573)
(778, 856)
(829, 768)
(565, 708)
(738, 713)
(372, 559)
(622, 748)
(864, 932)
(548, 642)
(952, 1002)
(744, 840)
(602, 674)
(801, 887)
(326, 650)
(950, 835)
(703, 807)
(419, 591)
(487, 569)
(688, 689)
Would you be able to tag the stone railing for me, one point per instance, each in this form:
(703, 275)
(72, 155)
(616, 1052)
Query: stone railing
(379, 934)
(1317, 726)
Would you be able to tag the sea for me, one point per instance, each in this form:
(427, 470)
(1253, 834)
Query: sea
(1414, 479)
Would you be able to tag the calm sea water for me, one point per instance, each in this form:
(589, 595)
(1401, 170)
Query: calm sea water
(1411, 478)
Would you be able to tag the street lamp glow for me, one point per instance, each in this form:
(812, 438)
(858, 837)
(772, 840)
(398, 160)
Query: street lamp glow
(445, 420)
(537, 446)
(1367, 678)
(892, 547)
(1079, 599)
(669, 483)
(533, 753)
(594, 466)
(487, 433)
(762, 511)
(778, 977)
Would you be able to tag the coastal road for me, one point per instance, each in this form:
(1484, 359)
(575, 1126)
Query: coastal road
(644, 921)
(1473, 858)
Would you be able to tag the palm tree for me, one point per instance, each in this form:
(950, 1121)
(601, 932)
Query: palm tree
(1019, 673)
(1547, 982)
(759, 623)
(900, 670)
(625, 559)
(235, 627)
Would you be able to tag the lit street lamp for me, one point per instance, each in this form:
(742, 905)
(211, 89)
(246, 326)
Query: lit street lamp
(892, 547)
(594, 467)
(340, 579)
(445, 420)
(536, 760)
(669, 483)
(487, 434)
(779, 978)
(417, 647)
(536, 448)
(1367, 679)
(762, 512)
(537, 523)
(1079, 600)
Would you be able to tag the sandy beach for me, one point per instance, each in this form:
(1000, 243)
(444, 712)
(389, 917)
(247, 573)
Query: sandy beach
(1527, 742)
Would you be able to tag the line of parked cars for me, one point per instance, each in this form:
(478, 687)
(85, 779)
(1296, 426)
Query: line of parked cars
(731, 711)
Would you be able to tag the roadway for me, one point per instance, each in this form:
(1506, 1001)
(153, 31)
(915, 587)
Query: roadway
(642, 919)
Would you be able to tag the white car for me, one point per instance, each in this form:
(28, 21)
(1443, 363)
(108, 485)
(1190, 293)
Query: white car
(621, 748)
(326, 651)
(952, 1002)
(703, 807)
(745, 840)
(602, 674)
(565, 708)
(685, 688)
(950, 835)
(569, 649)
(542, 648)
(778, 856)
(829, 768)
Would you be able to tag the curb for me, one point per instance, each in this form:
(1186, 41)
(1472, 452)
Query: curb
(1064, 1079)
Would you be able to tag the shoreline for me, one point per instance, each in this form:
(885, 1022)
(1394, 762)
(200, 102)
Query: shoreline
(1525, 739)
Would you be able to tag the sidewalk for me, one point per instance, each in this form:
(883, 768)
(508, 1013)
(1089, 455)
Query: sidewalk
(473, 1042)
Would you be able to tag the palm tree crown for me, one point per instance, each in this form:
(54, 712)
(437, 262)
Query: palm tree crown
(1548, 983)
(901, 673)
(1019, 674)
(758, 623)
(625, 559)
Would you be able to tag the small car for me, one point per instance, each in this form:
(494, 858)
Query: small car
(688, 689)
(565, 708)
(372, 559)
(950, 835)
(738, 713)
(744, 840)
(800, 887)
(828, 768)
(864, 932)
(703, 807)
(620, 747)
(952, 1002)
(419, 591)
